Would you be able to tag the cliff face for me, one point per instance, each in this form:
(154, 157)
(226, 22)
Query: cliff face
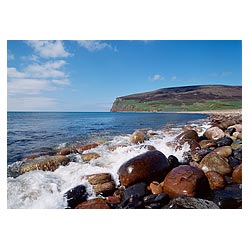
(188, 98)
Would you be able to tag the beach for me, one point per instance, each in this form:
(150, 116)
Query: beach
(194, 165)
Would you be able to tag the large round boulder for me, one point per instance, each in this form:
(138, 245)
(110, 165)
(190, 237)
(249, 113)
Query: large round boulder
(214, 133)
(186, 180)
(150, 166)
(188, 134)
(214, 162)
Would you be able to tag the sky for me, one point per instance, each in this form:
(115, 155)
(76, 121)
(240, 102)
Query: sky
(88, 75)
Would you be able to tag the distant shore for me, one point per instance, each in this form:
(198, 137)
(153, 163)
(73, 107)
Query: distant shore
(224, 111)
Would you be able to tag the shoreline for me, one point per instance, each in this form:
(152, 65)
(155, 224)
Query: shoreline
(223, 111)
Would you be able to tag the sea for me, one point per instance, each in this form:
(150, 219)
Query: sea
(34, 133)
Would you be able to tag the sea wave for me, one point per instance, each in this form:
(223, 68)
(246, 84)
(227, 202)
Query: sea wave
(46, 189)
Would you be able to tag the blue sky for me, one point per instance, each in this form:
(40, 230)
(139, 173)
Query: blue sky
(89, 75)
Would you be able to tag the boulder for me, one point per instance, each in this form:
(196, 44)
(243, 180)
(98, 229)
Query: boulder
(224, 141)
(188, 134)
(159, 199)
(96, 203)
(173, 161)
(150, 166)
(83, 148)
(138, 137)
(214, 133)
(237, 175)
(199, 154)
(99, 178)
(230, 197)
(216, 180)
(193, 144)
(182, 202)
(186, 180)
(137, 190)
(104, 189)
(224, 151)
(238, 127)
(208, 143)
(237, 153)
(155, 187)
(214, 162)
(50, 163)
(66, 151)
(90, 156)
(76, 195)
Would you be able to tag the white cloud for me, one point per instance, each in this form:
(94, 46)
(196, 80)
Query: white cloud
(10, 56)
(173, 78)
(228, 73)
(31, 103)
(27, 86)
(47, 70)
(156, 77)
(94, 45)
(49, 49)
(13, 73)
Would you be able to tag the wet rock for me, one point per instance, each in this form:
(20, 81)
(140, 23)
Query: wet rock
(214, 162)
(50, 163)
(133, 202)
(237, 175)
(185, 202)
(90, 156)
(150, 147)
(230, 131)
(230, 197)
(208, 144)
(225, 124)
(96, 203)
(193, 145)
(188, 134)
(224, 151)
(233, 162)
(216, 180)
(159, 199)
(173, 161)
(104, 189)
(155, 187)
(214, 133)
(199, 154)
(237, 153)
(236, 144)
(31, 157)
(224, 141)
(66, 151)
(238, 127)
(113, 200)
(99, 178)
(83, 148)
(186, 180)
(138, 137)
(147, 167)
(137, 190)
(76, 195)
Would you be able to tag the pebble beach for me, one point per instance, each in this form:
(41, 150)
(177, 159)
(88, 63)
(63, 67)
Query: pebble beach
(207, 174)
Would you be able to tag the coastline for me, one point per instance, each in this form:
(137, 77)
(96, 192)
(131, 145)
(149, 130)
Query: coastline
(210, 151)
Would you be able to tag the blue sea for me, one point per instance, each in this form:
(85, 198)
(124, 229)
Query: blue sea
(40, 132)
(34, 133)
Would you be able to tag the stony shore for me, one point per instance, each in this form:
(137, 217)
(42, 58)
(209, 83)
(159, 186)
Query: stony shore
(210, 176)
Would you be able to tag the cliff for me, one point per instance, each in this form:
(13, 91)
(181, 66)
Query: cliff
(188, 98)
